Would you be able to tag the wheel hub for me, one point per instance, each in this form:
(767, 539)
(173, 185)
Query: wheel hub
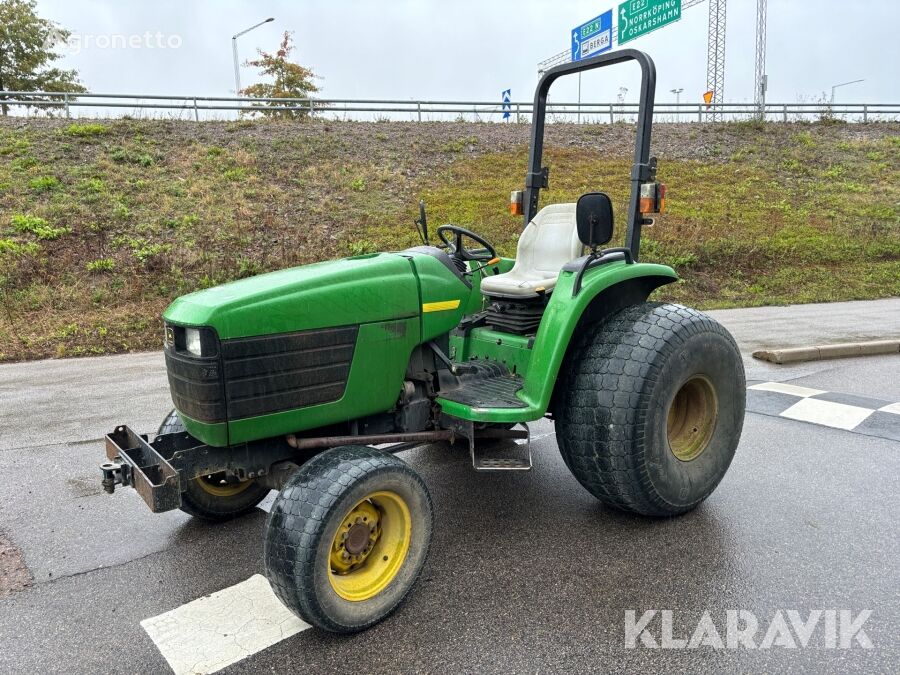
(370, 546)
(355, 538)
(692, 418)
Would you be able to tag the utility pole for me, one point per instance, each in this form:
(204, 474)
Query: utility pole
(677, 93)
(761, 80)
(234, 53)
(715, 58)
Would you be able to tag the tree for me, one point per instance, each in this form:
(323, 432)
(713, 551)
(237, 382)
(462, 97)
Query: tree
(27, 51)
(291, 80)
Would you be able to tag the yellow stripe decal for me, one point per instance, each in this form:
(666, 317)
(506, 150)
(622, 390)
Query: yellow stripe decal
(440, 306)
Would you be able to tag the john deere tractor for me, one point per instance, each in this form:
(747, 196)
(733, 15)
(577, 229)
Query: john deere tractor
(309, 380)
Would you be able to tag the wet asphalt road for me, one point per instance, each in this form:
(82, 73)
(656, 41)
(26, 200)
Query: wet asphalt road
(527, 573)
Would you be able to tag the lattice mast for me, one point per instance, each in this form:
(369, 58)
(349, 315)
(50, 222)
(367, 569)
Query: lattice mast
(715, 58)
(761, 79)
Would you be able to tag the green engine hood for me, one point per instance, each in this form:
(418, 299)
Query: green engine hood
(357, 290)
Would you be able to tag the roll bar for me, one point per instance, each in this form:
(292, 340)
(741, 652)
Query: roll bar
(642, 170)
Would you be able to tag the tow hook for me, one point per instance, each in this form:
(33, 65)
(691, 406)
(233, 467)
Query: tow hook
(113, 474)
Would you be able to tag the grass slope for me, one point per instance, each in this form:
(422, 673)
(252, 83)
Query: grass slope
(103, 223)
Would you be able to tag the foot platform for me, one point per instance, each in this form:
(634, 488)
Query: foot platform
(509, 454)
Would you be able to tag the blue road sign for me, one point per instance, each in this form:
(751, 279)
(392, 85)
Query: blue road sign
(507, 105)
(593, 37)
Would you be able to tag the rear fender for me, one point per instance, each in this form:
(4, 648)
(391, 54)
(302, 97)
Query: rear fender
(604, 290)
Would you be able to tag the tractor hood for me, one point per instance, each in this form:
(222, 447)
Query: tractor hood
(362, 289)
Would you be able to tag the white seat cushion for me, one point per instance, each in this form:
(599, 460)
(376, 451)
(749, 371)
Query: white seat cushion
(548, 243)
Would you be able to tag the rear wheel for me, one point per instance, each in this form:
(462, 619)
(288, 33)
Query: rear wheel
(347, 537)
(219, 496)
(651, 408)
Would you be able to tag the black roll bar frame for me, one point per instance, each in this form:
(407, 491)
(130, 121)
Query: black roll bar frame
(643, 169)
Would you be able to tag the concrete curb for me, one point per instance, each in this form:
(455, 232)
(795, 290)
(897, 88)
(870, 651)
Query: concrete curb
(820, 353)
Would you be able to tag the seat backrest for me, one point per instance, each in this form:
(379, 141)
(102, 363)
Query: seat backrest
(549, 241)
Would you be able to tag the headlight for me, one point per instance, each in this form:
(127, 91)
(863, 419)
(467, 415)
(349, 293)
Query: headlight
(192, 341)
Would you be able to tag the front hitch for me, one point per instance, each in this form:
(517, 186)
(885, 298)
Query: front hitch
(135, 462)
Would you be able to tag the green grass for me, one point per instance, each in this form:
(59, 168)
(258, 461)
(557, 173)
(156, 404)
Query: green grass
(85, 130)
(101, 265)
(102, 225)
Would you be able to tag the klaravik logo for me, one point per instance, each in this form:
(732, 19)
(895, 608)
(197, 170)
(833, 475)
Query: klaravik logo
(742, 629)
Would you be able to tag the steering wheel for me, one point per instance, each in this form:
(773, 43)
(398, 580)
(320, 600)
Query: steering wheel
(457, 249)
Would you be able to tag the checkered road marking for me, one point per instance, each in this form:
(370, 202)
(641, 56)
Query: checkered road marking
(859, 414)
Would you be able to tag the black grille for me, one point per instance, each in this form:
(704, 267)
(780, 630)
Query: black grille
(196, 386)
(270, 374)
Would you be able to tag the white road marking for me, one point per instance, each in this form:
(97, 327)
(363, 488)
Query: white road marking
(784, 388)
(215, 631)
(268, 500)
(892, 408)
(827, 413)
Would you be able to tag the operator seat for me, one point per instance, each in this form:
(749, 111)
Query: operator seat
(548, 243)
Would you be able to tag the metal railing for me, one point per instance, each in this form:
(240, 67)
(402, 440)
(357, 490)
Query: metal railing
(219, 107)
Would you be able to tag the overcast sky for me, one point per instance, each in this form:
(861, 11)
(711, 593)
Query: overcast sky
(473, 49)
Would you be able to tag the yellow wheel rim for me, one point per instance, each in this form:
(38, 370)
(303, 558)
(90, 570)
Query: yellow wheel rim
(370, 546)
(218, 485)
(692, 418)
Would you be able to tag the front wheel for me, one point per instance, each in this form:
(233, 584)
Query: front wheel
(216, 497)
(651, 408)
(347, 538)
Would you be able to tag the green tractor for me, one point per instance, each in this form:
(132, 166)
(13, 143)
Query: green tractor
(308, 380)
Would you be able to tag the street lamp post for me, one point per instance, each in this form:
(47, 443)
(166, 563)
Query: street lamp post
(677, 93)
(234, 53)
(843, 84)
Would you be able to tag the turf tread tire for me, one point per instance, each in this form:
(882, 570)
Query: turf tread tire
(607, 383)
(305, 516)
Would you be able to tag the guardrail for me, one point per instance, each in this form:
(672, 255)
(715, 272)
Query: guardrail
(216, 107)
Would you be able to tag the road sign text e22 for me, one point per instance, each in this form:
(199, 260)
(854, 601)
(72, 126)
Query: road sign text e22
(593, 37)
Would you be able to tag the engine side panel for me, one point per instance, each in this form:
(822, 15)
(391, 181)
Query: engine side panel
(444, 295)
(373, 385)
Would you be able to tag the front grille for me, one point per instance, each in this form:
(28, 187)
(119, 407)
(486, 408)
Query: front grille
(196, 386)
(270, 374)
